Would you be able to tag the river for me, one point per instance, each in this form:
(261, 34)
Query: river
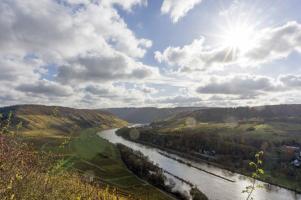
(216, 188)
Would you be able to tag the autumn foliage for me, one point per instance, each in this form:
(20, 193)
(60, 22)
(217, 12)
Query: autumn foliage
(29, 174)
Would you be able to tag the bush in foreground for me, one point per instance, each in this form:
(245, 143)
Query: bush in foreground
(28, 174)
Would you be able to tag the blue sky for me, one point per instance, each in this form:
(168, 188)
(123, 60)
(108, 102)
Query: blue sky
(203, 19)
(115, 53)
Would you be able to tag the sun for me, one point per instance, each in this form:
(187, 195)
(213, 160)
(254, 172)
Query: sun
(238, 37)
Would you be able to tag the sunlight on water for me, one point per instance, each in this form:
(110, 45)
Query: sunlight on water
(214, 187)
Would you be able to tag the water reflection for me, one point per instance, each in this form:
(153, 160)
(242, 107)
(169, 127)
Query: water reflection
(214, 187)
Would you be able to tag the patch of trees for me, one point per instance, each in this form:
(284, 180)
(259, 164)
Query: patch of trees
(147, 170)
(197, 194)
(234, 151)
(141, 166)
(229, 151)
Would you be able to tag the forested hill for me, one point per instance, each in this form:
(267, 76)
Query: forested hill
(148, 114)
(60, 119)
(283, 113)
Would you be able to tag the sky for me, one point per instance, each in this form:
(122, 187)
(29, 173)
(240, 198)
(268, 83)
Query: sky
(162, 53)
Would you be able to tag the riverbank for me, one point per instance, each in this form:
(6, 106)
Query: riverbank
(147, 170)
(212, 186)
(190, 165)
(99, 161)
(199, 160)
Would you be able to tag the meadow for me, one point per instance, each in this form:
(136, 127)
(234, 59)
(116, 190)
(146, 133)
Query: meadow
(66, 158)
(96, 160)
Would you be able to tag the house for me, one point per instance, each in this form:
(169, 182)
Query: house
(291, 148)
(290, 152)
(296, 163)
(293, 154)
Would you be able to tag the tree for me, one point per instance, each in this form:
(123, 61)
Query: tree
(257, 173)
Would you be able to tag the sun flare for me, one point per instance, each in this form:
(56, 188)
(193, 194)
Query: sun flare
(239, 37)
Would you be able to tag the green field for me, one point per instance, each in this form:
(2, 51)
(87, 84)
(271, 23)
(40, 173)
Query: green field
(95, 157)
(272, 131)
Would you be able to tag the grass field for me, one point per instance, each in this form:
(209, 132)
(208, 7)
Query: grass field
(98, 159)
(272, 131)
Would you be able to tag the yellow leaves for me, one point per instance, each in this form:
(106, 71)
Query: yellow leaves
(255, 175)
(260, 171)
(252, 164)
(1, 167)
(10, 185)
(258, 156)
(19, 177)
(46, 179)
(26, 173)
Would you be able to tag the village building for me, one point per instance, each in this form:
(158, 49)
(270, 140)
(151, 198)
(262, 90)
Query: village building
(293, 154)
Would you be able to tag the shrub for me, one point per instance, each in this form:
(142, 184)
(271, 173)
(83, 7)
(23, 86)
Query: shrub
(28, 174)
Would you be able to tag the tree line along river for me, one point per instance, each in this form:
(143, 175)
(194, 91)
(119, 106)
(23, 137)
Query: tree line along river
(216, 183)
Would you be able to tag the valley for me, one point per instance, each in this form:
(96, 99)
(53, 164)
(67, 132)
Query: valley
(224, 184)
(229, 138)
(68, 139)
(207, 148)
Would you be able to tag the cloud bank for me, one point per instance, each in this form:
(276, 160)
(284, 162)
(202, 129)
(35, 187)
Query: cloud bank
(271, 44)
(86, 41)
(83, 53)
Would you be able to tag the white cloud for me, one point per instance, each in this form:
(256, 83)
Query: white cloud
(291, 81)
(15, 68)
(244, 85)
(87, 41)
(97, 59)
(195, 56)
(148, 90)
(178, 8)
(109, 95)
(46, 88)
(98, 67)
(31, 26)
(125, 4)
(128, 4)
(271, 44)
(275, 43)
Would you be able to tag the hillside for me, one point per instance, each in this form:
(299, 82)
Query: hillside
(229, 137)
(82, 165)
(39, 159)
(54, 121)
(148, 114)
(270, 112)
(203, 114)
